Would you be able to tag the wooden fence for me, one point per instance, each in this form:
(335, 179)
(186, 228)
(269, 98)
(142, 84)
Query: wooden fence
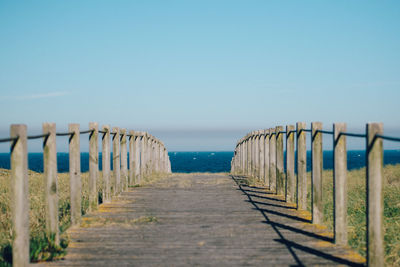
(147, 155)
(260, 154)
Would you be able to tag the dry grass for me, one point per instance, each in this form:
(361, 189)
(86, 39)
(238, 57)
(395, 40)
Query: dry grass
(37, 214)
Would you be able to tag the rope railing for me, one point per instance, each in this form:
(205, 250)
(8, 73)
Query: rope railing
(37, 136)
(147, 155)
(10, 139)
(263, 159)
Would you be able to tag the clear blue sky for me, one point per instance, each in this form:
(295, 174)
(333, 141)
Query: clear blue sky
(199, 74)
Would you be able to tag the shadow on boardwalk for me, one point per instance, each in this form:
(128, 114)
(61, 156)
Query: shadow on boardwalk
(269, 204)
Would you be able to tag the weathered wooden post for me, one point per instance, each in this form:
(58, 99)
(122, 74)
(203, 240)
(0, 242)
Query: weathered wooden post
(93, 165)
(248, 158)
(159, 150)
(244, 156)
(132, 161)
(272, 159)
(106, 164)
(116, 184)
(256, 154)
(280, 184)
(137, 158)
(316, 174)
(148, 154)
(266, 157)
(375, 248)
(340, 183)
(240, 160)
(75, 173)
(142, 155)
(20, 195)
(153, 155)
(261, 155)
(301, 166)
(290, 178)
(124, 161)
(164, 156)
(50, 175)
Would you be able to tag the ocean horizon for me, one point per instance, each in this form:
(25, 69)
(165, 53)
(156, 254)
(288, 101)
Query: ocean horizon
(199, 161)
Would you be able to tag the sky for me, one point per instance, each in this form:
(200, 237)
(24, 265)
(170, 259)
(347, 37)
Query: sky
(199, 75)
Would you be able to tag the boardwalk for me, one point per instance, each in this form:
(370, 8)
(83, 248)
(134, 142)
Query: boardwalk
(207, 220)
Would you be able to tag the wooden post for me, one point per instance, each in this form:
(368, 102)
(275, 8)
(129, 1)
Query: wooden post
(152, 154)
(340, 183)
(132, 160)
(93, 165)
(137, 158)
(248, 158)
(242, 157)
(158, 153)
(50, 174)
(20, 195)
(148, 153)
(164, 159)
(266, 158)
(106, 164)
(142, 155)
(280, 179)
(272, 159)
(116, 185)
(124, 161)
(75, 173)
(290, 178)
(301, 166)
(160, 149)
(257, 155)
(316, 174)
(261, 155)
(375, 248)
(253, 154)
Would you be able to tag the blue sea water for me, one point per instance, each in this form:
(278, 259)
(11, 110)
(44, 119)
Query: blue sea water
(199, 161)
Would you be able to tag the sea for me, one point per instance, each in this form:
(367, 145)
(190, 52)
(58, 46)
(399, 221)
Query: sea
(210, 161)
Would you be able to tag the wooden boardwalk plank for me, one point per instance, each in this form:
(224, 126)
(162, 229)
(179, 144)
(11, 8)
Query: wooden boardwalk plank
(207, 220)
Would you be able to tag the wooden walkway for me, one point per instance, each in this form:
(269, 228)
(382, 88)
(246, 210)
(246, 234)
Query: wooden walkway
(207, 220)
